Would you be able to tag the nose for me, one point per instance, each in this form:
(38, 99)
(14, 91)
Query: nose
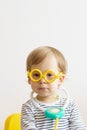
(42, 80)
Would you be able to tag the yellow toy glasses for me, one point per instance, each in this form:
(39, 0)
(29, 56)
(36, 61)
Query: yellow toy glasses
(50, 76)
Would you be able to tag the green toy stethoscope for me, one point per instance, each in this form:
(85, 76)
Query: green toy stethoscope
(49, 76)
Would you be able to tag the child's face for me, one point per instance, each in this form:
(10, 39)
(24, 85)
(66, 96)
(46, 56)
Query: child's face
(43, 88)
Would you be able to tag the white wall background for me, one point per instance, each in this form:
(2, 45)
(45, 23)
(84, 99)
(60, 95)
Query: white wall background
(26, 24)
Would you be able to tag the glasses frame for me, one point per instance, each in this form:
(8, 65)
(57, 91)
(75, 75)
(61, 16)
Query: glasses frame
(43, 75)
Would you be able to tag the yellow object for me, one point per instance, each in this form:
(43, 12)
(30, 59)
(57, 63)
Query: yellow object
(50, 76)
(13, 122)
(56, 124)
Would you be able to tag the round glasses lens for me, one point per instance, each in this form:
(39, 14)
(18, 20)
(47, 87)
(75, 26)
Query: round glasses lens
(50, 76)
(35, 75)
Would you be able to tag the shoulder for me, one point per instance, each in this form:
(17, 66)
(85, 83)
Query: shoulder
(72, 103)
(72, 107)
(28, 102)
(69, 104)
(28, 105)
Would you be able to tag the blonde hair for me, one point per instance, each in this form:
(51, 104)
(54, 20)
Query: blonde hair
(39, 54)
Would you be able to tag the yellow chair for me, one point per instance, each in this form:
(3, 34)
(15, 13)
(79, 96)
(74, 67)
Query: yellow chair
(13, 122)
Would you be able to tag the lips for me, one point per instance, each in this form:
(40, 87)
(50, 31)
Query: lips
(42, 88)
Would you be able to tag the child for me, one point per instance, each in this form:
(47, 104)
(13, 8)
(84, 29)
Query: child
(47, 68)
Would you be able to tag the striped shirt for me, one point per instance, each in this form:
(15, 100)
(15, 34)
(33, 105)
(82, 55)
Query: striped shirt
(33, 118)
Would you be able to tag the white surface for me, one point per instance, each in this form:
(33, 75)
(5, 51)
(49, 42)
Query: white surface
(27, 24)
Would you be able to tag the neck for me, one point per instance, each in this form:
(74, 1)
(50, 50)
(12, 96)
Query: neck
(50, 99)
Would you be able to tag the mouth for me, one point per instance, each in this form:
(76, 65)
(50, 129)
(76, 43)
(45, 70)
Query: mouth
(43, 88)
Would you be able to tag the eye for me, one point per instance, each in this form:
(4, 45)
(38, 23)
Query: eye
(35, 74)
(50, 75)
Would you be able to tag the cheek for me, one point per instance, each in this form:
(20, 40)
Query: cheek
(56, 82)
(54, 86)
(30, 82)
(33, 85)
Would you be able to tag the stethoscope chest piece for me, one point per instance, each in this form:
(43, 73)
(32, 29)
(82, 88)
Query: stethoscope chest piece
(54, 112)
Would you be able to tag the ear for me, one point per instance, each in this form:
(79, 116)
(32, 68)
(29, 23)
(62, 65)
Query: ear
(29, 80)
(61, 80)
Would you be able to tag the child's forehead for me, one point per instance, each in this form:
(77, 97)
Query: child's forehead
(43, 70)
(48, 61)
